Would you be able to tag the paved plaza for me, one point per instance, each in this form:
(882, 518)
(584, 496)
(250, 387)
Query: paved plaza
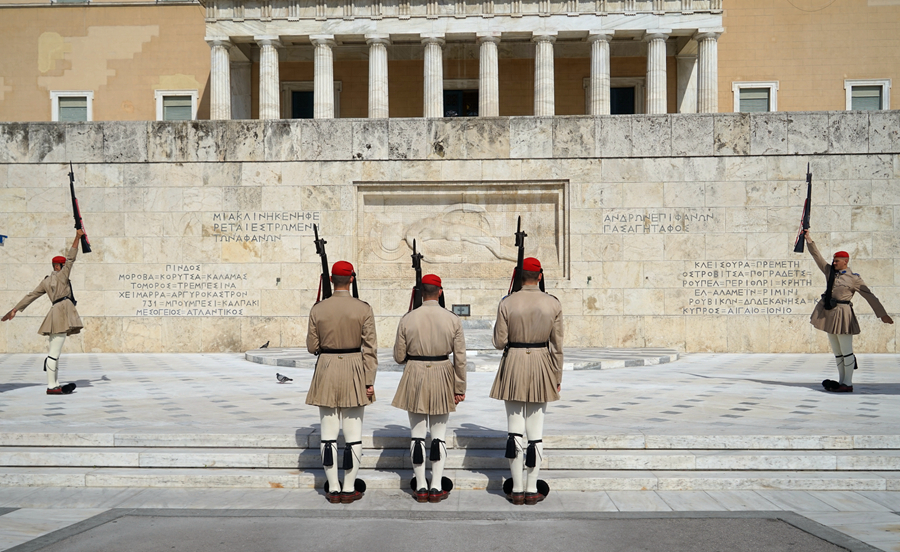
(700, 403)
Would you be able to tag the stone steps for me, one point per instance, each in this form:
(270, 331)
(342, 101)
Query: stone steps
(587, 480)
(470, 459)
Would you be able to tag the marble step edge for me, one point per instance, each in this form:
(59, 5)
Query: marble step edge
(607, 480)
(307, 438)
(687, 460)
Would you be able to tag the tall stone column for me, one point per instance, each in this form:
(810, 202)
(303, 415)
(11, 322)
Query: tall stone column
(656, 70)
(434, 76)
(544, 101)
(378, 76)
(488, 76)
(269, 92)
(708, 75)
(323, 77)
(219, 79)
(599, 71)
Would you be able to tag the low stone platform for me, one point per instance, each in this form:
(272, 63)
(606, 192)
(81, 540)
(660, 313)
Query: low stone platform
(485, 360)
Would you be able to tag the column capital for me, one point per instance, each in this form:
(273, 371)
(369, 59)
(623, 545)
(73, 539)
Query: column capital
(432, 39)
(656, 34)
(489, 36)
(378, 39)
(268, 40)
(322, 40)
(600, 36)
(707, 34)
(219, 41)
(544, 37)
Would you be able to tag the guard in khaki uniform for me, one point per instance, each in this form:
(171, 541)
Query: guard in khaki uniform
(529, 329)
(431, 386)
(62, 320)
(342, 334)
(834, 313)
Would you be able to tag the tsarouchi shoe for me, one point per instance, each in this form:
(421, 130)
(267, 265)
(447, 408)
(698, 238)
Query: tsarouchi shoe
(334, 498)
(68, 388)
(55, 391)
(422, 495)
(352, 496)
(533, 498)
(435, 495)
(830, 385)
(517, 498)
(844, 389)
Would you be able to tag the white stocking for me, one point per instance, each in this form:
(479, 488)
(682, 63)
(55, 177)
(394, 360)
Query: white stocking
(534, 430)
(418, 424)
(352, 421)
(52, 363)
(842, 346)
(439, 432)
(330, 428)
(515, 423)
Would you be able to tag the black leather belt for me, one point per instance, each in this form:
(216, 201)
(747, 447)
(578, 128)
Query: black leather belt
(339, 351)
(528, 345)
(61, 299)
(432, 358)
(843, 302)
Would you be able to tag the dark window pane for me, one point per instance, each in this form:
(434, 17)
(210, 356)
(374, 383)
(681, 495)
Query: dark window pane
(621, 101)
(301, 104)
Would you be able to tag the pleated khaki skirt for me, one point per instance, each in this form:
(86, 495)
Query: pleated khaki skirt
(426, 387)
(839, 320)
(339, 381)
(526, 375)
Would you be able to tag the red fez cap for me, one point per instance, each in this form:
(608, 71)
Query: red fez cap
(531, 264)
(843, 254)
(431, 279)
(59, 260)
(342, 268)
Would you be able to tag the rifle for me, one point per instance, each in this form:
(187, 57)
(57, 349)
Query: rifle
(804, 218)
(516, 283)
(79, 224)
(415, 301)
(324, 279)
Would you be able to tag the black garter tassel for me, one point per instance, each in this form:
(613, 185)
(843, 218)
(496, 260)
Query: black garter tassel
(348, 455)
(328, 453)
(418, 455)
(511, 451)
(531, 455)
(436, 450)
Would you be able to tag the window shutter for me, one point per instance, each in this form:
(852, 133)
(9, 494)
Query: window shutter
(866, 98)
(177, 108)
(72, 108)
(754, 100)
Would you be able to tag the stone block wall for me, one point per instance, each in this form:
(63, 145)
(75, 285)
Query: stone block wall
(657, 230)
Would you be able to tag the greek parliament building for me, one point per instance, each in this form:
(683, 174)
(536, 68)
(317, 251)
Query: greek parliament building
(655, 150)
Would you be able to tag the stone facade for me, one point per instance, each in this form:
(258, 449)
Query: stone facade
(656, 230)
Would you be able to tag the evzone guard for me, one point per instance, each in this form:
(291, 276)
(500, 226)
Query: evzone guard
(529, 330)
(431, 386)
(342, 333)
(834, 313)
(62, 320)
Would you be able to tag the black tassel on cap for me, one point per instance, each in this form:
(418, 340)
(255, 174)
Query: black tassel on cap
(348, 455)
(541, 282)
(531, 454)
(328, 453)
(418, 456)
(511, 451)
(436, 450)
(355, 291)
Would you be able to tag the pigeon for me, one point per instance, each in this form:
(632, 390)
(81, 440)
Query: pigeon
(283, 379)
(266, 346)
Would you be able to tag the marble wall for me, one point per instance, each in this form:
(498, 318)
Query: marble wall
(662, 230)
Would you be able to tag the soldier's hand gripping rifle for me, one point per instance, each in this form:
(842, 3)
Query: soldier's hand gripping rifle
(324, 279)
(79, 224)
(415, 300)
(804, 218)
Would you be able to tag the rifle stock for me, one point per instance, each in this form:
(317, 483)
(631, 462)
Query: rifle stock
(800, 242)
(516, 283)
(76, 211)
(324, 279)
(415, 301)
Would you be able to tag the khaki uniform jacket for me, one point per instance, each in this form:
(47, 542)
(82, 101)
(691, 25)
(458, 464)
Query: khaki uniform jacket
(62, 318)
(427, 387)
(841, 319)
(340, 380)
(529, 375)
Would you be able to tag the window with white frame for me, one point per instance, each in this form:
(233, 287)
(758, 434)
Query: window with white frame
(868, 94)
(754, 97)
(72, 105)
(176, 105)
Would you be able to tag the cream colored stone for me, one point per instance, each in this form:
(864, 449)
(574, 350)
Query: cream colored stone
(603, 301)
(14, 200)
(748, 219)
(644, 301)
(643, 247)
(748, 333)
(684, 194)
(602, 247)
(261, 174)
(203, 199)
(850, 192)
(501, 169)
(870, 219)
(684, 247)
(625, 331)
(731, 246)
(142, 335)
(640, 194)
(620, 274)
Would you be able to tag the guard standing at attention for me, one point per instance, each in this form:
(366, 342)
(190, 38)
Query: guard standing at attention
(62, 320)
(834, 313)
(342, 334)
(529, 329)
(431, 386)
